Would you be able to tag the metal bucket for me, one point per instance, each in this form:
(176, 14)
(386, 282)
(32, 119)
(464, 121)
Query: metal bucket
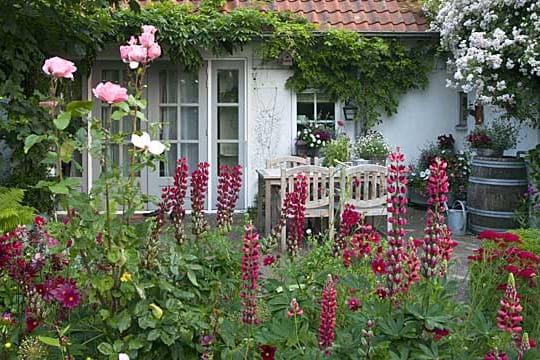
(457, 219)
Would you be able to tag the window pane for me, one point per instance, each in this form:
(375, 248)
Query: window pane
(189, 123)
(127, 125)
(191, 151)
(168, 87)
(126, 160)
(325, 110)
(227, 86)
(167, 169)
(169, 124)
(110, 75)
(189, 88)
(305, 107)
(227, 123)
(227, 154)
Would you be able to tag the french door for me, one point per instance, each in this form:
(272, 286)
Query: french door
(228, 124)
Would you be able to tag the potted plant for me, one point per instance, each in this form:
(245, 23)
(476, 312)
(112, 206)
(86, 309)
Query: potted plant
(311, 139)
(372, 146)
(491, 141)
(336, 150)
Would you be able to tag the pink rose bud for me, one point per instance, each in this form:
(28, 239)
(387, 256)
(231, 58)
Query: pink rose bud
(110, 93)
(59, 68)
(147, 39)
(149, 29)
(341, 123)
(137, 54)
(154, 51)
(132, 41)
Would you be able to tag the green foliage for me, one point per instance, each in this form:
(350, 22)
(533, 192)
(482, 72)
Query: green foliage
(12, 212)
(338, 149)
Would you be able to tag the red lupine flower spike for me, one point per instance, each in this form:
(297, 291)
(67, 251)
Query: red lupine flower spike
(328, 316)
(250, 275)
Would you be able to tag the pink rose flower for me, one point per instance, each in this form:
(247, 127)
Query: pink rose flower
(137, 53)
(147, 39)
(341, 123)
(154, 51)
(110, 93)
(59, 68)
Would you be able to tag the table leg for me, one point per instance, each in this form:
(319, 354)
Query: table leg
(267, 207)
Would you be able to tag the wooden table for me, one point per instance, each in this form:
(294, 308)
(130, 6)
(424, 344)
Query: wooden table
(268, 179)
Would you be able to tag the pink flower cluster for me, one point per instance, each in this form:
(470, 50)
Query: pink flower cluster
(250, 275)
(199, 185)
(175, 196)
(228, 190)
(509, 315)
(143, 50)
(328, 316)
(397, 201)
(361, 242)
(412, 264)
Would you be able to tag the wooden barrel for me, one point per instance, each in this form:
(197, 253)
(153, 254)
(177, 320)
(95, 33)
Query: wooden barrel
(494, 191)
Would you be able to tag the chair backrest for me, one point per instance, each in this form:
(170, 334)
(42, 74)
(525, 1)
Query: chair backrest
(320, 181)
(285, 162)
(364, 186)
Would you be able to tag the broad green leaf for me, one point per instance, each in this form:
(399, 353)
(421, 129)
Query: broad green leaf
(50, 158)
(105, 283)
(124, 321)
(32, 140)
(66, 150)
(118, 115)
(49, 341)
(153, 335)
(62, 121)
(59, 189)
(79, 107)
(105, 348)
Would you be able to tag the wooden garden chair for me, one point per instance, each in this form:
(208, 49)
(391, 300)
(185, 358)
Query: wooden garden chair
(285, 162)
(364, 186)
(320, 200)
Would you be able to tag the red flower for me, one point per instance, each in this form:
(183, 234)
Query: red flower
(496, 355)
(269, 260)
(341, 123)
(250, 275)
(381, 292)
(353, 304)
(268, 352)
(31, 323)
(67, 294)
(378, 266)
(348, 257)
(40, 221)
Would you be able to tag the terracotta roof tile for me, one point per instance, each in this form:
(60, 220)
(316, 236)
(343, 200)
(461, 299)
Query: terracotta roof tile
(358, 15)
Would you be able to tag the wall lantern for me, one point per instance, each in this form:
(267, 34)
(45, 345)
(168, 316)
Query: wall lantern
(350, 111)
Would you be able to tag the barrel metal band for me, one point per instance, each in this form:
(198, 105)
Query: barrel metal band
(489, 213)
(498, 165)
(500, 182)
(478, 229)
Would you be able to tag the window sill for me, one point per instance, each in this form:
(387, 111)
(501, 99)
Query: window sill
(461, 127)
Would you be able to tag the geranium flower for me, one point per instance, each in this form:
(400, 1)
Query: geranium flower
(378, 266)
(31, 323)
(268, 352)
(353, 303)
(143, 142)
(67, 294)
